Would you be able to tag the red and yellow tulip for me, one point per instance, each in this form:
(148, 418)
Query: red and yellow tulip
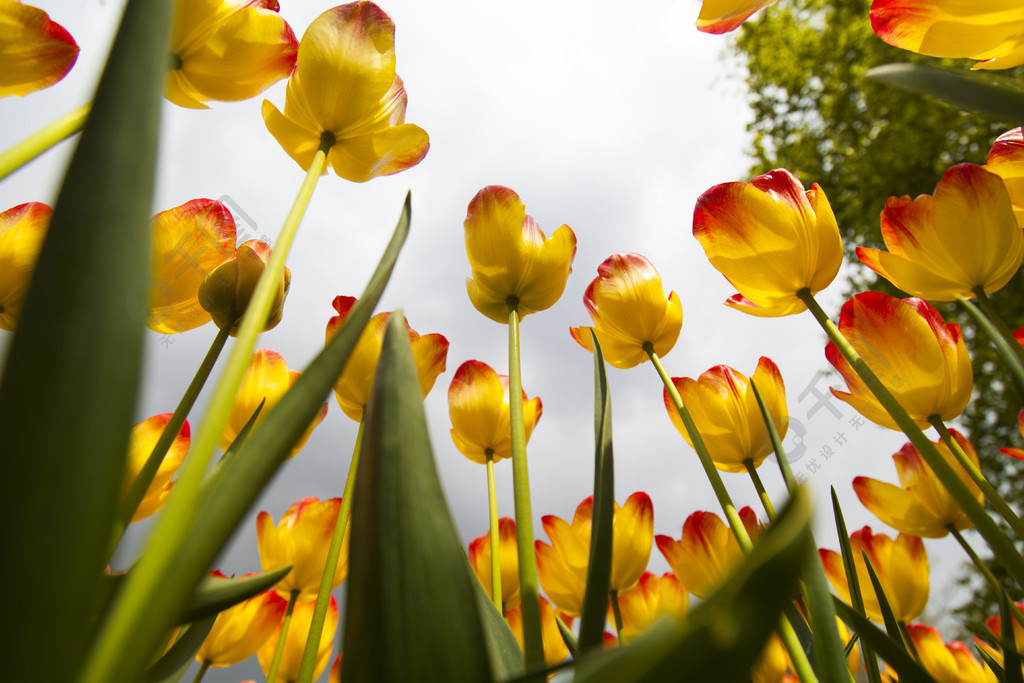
(144, 438)
(770, 238)
(478, 404)
(480, 560)
(510, 258)
(941, 247)
(653, 597)
(227, 50)
(345, 93)
(240, 630)
(295, 642)
(630, 312)
(227, 289)
(22, 229)
(1006, 160)
(724, 408)
(722, 16)
(353, 387)
(995, 625)
(555, 649)
(35, 52)
(947, 663)
(920, 359)
(301, 539)
(707, 551)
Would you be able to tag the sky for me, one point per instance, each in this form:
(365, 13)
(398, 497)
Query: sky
(611, 118)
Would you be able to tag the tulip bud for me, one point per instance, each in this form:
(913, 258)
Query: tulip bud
(226, 291)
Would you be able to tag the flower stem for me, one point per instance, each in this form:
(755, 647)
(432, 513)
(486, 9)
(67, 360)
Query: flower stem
(1001, 546)
(983, 568)
(773, 434)
(769, 509)
(528, 588)
(617, 614)
(282, 638)
(492, 500)
(202, 671)
(42, 140)
(1007, 346)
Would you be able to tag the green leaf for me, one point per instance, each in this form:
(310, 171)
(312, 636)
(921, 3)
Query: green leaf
(411, 610)
(1011, 658)
(568, 637)
(723, 636)
(502, 647)
(966, 90)
(599, 569)
(68, 394)
(892, 652)
(892, 625)
(171, 667)
(215, 594)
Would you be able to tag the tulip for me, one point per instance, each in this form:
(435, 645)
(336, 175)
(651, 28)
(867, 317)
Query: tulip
(952, 663)
(652, 598)
(1017, 453)
(770, 665)
(478, 404)
(725, 410)
(352, 389)
(35, 52)
(770, 239)
(22, 230)
(920, 505)
(227, 50)
(295, 643)
(144, 438)
(266, 381)
(510, 258)
(344, 96)
(921, 360)
(227, 289)
(989, 30)
(480, 560)
(334, 675)
(240, 630)
(722, 16)
(944, 247)
(707, 551)
(901, 567)
(1006, 160)
(189, 241)
(555, 649)
(562, 566)
(995, 625)
(301, 539)
(630, 312)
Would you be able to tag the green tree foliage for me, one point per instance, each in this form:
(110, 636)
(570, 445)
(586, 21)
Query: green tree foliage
(817, 114)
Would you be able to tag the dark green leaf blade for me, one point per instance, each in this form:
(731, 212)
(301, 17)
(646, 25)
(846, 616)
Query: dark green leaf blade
(215, 593)
(411, 612)
(966, 90)
(892, 652)
(172, 666)
(502, 647)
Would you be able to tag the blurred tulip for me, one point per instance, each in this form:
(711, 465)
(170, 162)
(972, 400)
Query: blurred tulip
(629, 309)
(35, 52)
(920, 505)
(266, 381)
(301, 539)
(22, 229)
(562, 566)
(1016, 452)
(227, 289)
(480, 560)
(920, 359)
(995, 626)
(189, 241)
(722, 16)
(770, 665)
(707, 551)
(478, 404)
(725, 410)
(227, 50)
(942, 247)
(240, 630)
(901, 567)
(344, 92)
(511, 259)
(295, 642)
(334, 675)
(770, 239)
(952, 663)
(1006, 160)
(989, 30)
(555, 649)
(652, 598)
(144, 438)
(352, 389)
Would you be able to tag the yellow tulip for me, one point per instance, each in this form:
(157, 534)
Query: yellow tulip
(653, 597)
(295, 643)
(301, 538)
(1006, 160)
(555, 649)
(722, 16)
(995, 625)
(480, 560)
(22, 230)
(240, 630)
(227, 289)
(707, 551)
(35, 52)
(144, 438)
(952, 663)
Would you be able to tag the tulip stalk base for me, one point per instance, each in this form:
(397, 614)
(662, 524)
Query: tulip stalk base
(283, 637)
(42, 140)
(617, 614)
(202, 671)
(762, 494)
(492, 505)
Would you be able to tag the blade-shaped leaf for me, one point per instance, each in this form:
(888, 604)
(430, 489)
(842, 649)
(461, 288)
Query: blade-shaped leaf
(502, 647)
(967, 90)
(853, 583)
(599, 569)
(892, 625)
(215, 593)
(889, 650)
(172, 665)
(411, 610)
(69, 381)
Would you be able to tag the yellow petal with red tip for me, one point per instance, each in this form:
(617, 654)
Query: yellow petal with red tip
(931, 651)
(480, 560)
(652, 598)
(189, 241)
(22, 229)
(968, 668)
(35, 52)
(144, 438)
(510, 257)
(240, 630)
(770, 238)
(266, 381)
(627, 303)
(632, 538)
(770, 666)
(722, 16)
(989, 30)
(295, 643)
(555, 649)
(301, 539)
(1006, 160)
(707, 550)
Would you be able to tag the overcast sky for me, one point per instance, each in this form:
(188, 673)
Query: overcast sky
(604, 116)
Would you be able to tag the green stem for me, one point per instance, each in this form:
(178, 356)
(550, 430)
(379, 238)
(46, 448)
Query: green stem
(1009, 349)
(42, 140)
(130, 503)
(984, 570)
(617, 614)
(323, 596)
(1001, 546)
(773, 434)
(769, 509)
(282, 638)
(202, 671)
(911, 647)
(991, 495)
(797, 655)
(492, 499)
(528, 589)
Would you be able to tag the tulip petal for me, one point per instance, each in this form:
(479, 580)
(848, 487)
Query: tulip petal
(22, 229)
(722, 16)
(380, 153)
(35, 52)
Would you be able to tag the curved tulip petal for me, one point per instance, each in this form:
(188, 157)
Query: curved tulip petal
(633, 537)
(295, 642)
(1006, 160)
(35, 52)
(555, 649)
(707, 550)
(240, 630)
(302, 538)
(722, 16)
(22, 229)
(144, 438)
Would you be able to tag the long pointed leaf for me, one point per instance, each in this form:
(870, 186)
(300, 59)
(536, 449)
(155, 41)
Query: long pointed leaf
(892, 652)
(967, 90)
(411, 610)
(502, 647)
(214, 594)
(853, 583)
